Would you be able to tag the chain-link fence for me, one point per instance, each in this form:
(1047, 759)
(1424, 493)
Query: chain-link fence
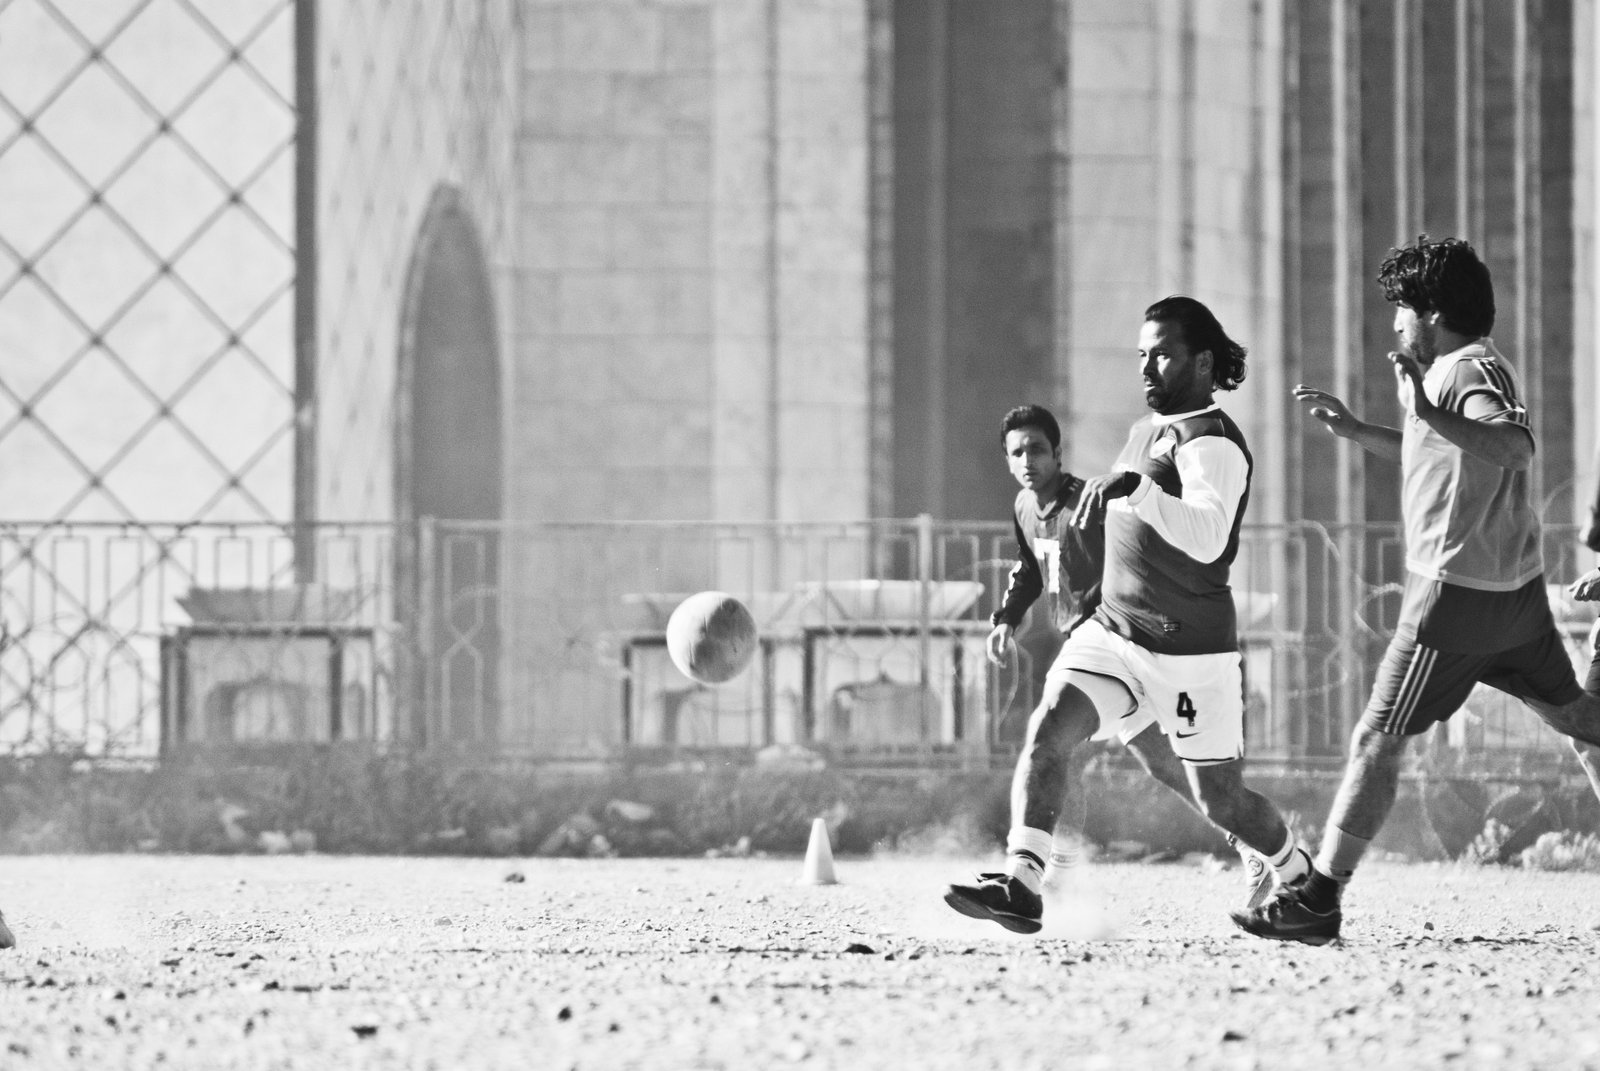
(147, 259)
(548, 641)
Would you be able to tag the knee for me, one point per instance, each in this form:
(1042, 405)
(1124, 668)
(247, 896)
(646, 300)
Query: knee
(1578, 721)
(1051, 726)
(1372, 747)
(1065, 715)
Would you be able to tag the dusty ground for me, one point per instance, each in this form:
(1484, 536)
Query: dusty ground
(322, 962)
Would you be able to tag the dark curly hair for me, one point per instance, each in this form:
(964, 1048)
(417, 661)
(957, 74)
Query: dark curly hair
(1443, 276)
(1031, 416)
(1201, 331)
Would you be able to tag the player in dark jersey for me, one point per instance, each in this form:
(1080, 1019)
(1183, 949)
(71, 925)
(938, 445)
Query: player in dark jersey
(1590, 535)
(1162, 643)
(1587, 587)
(1475, 606)
(1062, 563)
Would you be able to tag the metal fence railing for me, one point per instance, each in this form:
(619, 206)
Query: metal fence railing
(548, 640)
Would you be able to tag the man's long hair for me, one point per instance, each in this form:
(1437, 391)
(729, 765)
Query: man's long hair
(1201, 331)
(1443, 276)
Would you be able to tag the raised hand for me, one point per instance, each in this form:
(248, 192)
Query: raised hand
(1587, 587)
(1328, 408)
(1100, 492)
(999, 644)
(1408, 384)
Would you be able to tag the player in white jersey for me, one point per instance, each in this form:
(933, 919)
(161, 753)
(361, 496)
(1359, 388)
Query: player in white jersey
(1059, 566)
(1163, 643)
(1475, 608)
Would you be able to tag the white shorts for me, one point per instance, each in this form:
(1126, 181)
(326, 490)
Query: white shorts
(1198, 700)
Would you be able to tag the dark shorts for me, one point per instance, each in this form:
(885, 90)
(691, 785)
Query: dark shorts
(1418, 686)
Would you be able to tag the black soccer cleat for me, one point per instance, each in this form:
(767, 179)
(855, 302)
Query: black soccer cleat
(1287, 917)
(999, 898)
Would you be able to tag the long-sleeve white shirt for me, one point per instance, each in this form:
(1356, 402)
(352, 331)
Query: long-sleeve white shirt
(1215, 474)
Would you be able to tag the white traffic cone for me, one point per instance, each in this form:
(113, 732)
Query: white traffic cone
(819, 857)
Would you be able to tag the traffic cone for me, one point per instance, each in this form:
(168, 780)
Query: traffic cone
(819, 857)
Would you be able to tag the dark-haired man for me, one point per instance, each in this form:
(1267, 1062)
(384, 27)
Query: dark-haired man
(1163, 642)
(1475, 606)
(1062, 563)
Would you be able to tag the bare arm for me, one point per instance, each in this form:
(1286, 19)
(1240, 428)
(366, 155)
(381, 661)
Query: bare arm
(1337, 418)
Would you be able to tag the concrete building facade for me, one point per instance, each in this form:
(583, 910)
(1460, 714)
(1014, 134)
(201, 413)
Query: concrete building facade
(801, 254)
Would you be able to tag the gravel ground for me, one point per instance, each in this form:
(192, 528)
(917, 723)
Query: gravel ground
(324, 962)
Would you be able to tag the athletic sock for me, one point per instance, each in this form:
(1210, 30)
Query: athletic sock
(1319, 892)
(1291, 862)
(1026, 851)
(1064, 856)
(1341, 853)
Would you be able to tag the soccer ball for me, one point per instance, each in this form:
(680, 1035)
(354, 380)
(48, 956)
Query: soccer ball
(711, 637)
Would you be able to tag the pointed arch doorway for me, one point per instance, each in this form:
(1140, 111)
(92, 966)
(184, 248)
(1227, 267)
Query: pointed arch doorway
(448, 483)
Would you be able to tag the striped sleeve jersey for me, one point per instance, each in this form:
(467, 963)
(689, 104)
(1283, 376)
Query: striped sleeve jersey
(1468, 522)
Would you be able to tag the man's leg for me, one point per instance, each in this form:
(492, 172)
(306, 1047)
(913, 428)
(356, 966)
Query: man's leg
(1589, 759)
(1579, 722)
(1366, 796)
(1540, 674)
(1199, 700)
(1416, 687)
(1067, 839)
(1151, 748)
(1113, 702)
(1155, 754)
(1064, 719)
(1310, 911)
(1225, 800)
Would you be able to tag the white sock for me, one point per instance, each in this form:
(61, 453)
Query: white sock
(1291, 862)
(1026, 852)
(1341, 853)
(1064, 854)
(1251, 859)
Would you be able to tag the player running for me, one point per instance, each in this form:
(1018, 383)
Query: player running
(1475, 606)
(1163, 643)
(1063, 563)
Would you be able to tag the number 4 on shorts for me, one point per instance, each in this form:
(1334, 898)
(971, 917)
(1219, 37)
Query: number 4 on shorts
(1186, 709)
